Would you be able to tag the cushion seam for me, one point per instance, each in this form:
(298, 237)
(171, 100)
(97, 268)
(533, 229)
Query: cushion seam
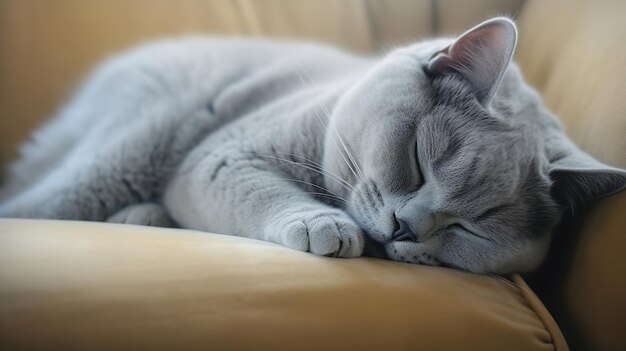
(535, 304)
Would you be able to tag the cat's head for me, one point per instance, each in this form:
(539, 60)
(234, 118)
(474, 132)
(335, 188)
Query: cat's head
(448, 158)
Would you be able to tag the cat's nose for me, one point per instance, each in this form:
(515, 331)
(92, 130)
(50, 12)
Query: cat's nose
(402, 231)
(417, 225)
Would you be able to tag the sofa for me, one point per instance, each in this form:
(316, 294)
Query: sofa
(86, 286)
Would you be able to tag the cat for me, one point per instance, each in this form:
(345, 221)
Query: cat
(437, 153)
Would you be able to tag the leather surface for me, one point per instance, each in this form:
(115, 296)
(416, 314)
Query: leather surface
(89, 286)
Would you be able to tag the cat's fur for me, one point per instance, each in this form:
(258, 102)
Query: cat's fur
(437, 153)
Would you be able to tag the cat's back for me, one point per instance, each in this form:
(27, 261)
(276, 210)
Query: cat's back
(235, 75)
(167, 80)
(222, 60)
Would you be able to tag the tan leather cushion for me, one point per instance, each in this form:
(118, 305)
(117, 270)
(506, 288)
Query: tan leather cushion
(87, 286)
(575, 53)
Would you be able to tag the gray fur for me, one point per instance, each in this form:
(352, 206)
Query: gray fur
(430, 160)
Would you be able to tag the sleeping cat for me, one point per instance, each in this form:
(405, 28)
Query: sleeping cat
(437, 153)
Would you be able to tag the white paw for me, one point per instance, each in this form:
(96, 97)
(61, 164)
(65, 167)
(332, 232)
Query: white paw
(143, 214)
(325, 232)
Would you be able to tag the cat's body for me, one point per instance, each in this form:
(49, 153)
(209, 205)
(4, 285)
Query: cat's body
(311, 147)
(229, 108)
(184, 89)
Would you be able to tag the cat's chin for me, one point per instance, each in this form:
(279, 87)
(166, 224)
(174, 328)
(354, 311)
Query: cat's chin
(385, 251)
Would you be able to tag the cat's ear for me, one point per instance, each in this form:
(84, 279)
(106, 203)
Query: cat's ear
(480, 55)
(578, 178)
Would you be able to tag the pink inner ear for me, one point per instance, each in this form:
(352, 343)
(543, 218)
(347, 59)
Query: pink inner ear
(480, 55)
(441, 62)
(491, 36)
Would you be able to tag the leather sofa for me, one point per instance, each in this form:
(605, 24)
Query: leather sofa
(78, 285)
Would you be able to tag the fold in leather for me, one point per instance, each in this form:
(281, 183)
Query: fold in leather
(542, 312)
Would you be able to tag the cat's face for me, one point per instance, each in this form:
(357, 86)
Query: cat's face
(447, 167)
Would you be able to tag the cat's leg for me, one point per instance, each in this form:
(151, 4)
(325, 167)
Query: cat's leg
(134, 119)
(114, 170)
(151, 214)
(47, 148)
(89, 189)
(251, 198)
(101, 100)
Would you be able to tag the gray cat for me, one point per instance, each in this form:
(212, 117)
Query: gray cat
(437, 153)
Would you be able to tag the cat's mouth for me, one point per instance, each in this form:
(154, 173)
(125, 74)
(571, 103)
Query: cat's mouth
(373, 248)
(376, 249)
(450, 265)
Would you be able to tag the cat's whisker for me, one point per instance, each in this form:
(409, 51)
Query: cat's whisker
(313, 163)
(317, 193)
(341, 152)
(335, 198)
(338, 179)
(302, 158)
(310, 161)
(354, 170)
(315, 186)
(350, 156)
(315, 168)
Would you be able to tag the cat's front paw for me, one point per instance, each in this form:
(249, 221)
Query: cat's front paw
(326, 232)
(149, 214)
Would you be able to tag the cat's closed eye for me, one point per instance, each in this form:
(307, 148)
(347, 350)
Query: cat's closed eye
(416, 168)
(462, 230)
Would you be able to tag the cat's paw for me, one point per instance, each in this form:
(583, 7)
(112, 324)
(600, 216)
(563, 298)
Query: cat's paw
(326, 232)
(143, 214)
